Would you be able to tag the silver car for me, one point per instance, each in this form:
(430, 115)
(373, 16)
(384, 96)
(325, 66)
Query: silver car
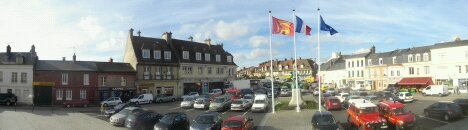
(187, 102)
(240, 105)
(202, 103)
(119, 118)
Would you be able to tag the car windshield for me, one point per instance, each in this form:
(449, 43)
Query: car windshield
(334, 100)
(247, 97)
(331, 89)
(408, 94)
(119, 106)
(326, 95)
(453, 106)
(400, 111)
(188, 99)
(219, 100)
(324, 120)
(199, 101)
(167, 119)
(259, 101)
(125, 112)
(205, 119)
(232, 124)
(237, 102)
(366, 110)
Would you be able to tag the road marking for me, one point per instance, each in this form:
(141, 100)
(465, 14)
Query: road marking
(188, 110)
(207, 110)
(175, 108)
(245, 112)
(224, 112)
(418, 102)
(434, 119)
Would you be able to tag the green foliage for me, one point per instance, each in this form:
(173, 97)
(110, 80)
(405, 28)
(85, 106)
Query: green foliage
(284, 105)
(286, 84)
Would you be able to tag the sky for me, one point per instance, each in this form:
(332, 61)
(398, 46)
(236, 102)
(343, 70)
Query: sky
(98, 30)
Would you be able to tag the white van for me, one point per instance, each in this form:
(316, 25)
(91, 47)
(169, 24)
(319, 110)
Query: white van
(260, 103)
(143, 98)
(440, 90)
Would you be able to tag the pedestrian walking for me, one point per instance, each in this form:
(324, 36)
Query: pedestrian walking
(457, 91)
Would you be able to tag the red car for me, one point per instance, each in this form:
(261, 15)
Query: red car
(235, 93)
(79, 103)
(238, 122)
(332, 103)
(397, 114)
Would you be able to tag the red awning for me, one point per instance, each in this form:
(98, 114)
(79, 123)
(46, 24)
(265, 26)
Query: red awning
(416, 81)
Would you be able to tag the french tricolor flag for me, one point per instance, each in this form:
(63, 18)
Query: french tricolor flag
(302, 27)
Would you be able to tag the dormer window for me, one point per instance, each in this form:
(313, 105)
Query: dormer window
(218, 58)
(418, 57)
(369, 62)
(425, 57)
(302, 66)
(146, 53)
(229, 58)
(157, 54)
(380, 61)
(410, 58)
(207, 56)
(394, 60)
(185, 55)
(167, 55)
(198, 55)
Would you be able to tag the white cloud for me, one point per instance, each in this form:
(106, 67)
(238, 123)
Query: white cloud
(91, 26)
(230, 31)
(362, 50)
(257, 41)
(116, 42)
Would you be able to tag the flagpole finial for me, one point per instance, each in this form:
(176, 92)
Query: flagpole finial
(294, 9)
(318, 9)
(269, 11)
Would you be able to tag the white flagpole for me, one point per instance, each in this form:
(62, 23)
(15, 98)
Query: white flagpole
(318, 59)
(271, 70)
(298, 109)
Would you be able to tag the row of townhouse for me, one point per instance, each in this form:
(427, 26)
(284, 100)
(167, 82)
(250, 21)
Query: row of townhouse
(174, 66)
(282, 69)
(46, 82)
(441, 63)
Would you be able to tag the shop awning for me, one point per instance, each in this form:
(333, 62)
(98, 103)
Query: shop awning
(416, 81)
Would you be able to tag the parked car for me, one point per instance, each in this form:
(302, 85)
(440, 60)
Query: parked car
(260, 103)
(221, 103)
(77, 103)
(316, 92)
(187, 102)
(324, 120)
(445, 109)
(247, 91)
(164, 98)
(202, 103)
(109, 112)
(249, 98)
(173, 121)
(325, 96)
(463, 103)
(207, 121)
(365, 115)
(8, 98)
(373, 99)
(342, 96)
(240, 104)
(144, 120)
(397, 114)
(332, 103)
(285, 92)
(119, 118)
(191, 94)
(405, 96)
(331, 91)
(112, 101)
(216, 91)
(143, 98)
(439, 90)
(346, 101)
(238, 122)
(261, 91)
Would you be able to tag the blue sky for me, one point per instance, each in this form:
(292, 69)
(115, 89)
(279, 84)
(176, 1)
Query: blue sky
(98, 30)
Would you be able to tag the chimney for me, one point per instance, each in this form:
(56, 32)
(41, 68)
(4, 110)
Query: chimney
(299, 58)
(8, 50)
(190, 39)
(208, 41)
(167, 36)
(63, 58)
(130, 32)
(139, 33)
(111, 60)
(74, 57)
(372, 50)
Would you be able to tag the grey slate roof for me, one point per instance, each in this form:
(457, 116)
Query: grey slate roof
(140, 42)
(8, 60)
(114, 67)
(58, 65)
(450, 44)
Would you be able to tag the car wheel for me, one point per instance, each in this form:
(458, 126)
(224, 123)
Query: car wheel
(426, 113)
(151, 101)
(85, 105)
(8, 103)
(105, 104)
(68, 105)
(160, 101)
(446, 117)
(440, 95)
(349, 120)
(137, 103)
(173, 100)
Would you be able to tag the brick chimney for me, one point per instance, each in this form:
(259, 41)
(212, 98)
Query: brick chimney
(208, 41)
(8, 50)
(111, 60)
(74, 57)
(167, 36)
(63, 59)
(139, 33)
(190, 39)
(130, 32)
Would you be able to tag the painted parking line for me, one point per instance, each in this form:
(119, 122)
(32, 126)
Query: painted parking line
(434, 119)
(175, 108)
(224, 112)
(189, 110)
(245, 112)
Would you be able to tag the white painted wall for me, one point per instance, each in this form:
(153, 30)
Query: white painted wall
(23, 91)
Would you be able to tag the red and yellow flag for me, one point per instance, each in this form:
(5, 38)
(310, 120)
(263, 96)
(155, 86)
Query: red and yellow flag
(282, 27)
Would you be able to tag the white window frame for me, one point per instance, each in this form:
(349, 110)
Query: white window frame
(158, 72)
(418, 57)
(83, 93)
(218, 58)
(426, 69)
(24, 77)
(229, 59)
(394, 60)
(207, 57)
(59, 94)
(198, 55)
(123, 81)
(146, 72)
(185, 55)
(69, 94)
(200, 70)
(410, 58)
(64, 79)
(85, 79)
(380, 61)
(157, 54)
(14, 77)
(425, 57)
(145, 53)
(103, 80)
(167, 55)
(369, 62)
(209, 70)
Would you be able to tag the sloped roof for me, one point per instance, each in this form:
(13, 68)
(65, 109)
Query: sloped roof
(58, 65)
(8, 60)
(140, 42)
(450, 44)
(114, 67)
(193, 47)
